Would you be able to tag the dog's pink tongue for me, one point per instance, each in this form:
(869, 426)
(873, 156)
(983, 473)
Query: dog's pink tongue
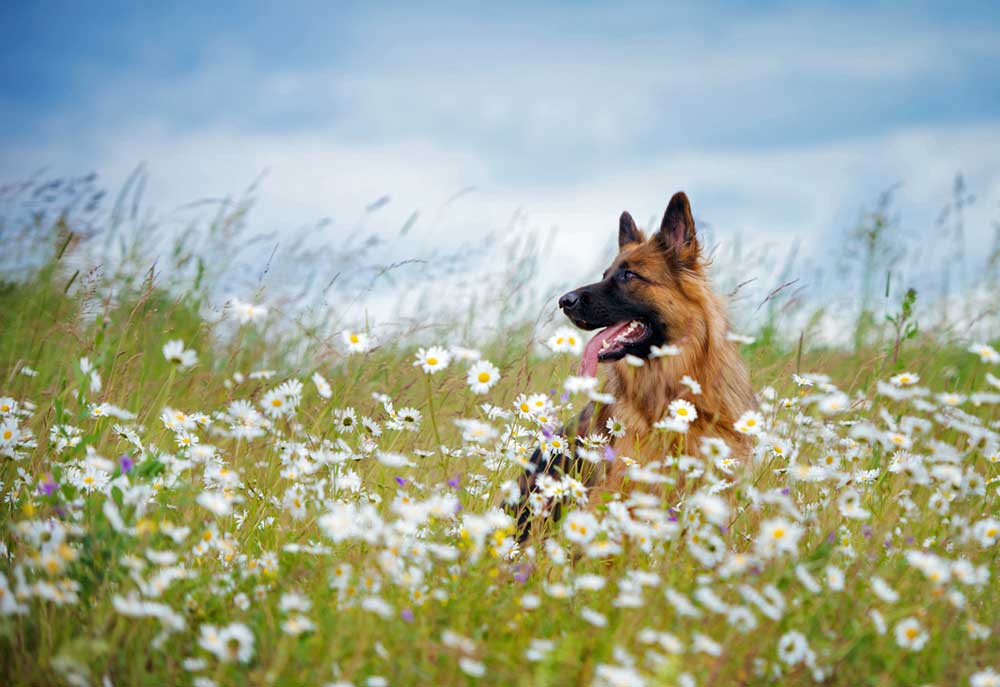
(588, 362)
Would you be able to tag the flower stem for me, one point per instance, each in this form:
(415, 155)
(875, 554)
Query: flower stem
(430, 409)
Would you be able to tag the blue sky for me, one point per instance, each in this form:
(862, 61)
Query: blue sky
(781, 120)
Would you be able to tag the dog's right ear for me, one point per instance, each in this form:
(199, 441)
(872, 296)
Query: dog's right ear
(677, 233)
(627, 231)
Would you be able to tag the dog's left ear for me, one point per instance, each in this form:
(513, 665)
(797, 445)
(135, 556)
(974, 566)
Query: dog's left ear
(628, 232)
(677, 233)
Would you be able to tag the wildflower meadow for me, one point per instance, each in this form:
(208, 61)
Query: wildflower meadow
(215, 492)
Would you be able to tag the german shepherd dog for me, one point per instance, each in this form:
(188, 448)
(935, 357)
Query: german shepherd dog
(656, 292)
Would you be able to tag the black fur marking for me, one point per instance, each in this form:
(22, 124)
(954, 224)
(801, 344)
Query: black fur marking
(556, 465)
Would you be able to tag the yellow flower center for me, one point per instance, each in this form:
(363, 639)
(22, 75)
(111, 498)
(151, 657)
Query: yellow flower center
(778, 533)
(276, 403)
(354, 338)
(484, 377)
(7, 434)
(751, 422)
(432, 361)
(911, 633)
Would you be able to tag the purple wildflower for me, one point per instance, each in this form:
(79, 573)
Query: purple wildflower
(126, 463)
(47, 486)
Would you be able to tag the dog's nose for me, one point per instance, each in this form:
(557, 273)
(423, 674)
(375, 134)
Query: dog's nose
(569, 300)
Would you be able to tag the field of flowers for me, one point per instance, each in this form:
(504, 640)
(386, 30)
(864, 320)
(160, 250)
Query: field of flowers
(186, 502)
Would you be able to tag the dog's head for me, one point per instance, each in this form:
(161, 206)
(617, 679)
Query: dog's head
(649, 296)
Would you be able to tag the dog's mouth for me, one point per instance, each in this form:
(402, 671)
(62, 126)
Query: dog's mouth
(614, 343)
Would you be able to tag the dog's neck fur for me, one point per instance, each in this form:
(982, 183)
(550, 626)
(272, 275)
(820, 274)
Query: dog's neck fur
(643, 394)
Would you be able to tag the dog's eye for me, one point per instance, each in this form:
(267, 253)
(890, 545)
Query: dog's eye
(628, 275)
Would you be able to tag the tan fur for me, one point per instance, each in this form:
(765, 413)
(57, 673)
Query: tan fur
(697, 316)
(670, 277)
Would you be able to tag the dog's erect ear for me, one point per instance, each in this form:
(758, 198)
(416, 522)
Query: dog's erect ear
(627, 231)
(677, 233)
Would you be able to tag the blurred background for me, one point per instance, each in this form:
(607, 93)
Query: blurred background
(380, 165)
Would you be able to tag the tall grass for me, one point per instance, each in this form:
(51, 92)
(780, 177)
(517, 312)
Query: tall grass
(124, 544)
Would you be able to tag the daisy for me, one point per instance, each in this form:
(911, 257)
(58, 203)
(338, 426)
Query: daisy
(409, 418)
(575, 384)
(951, 399)
(712, 507)
(834, 403)
(432, 359)
(471, 667)
(346, 420)
(984, 678)
(216, 502)
(683, 410)
(910, 635)
(834, 578)
(672, 424)
(580, 527)
(593, 617)
(663, 351)
(355, 342)
(482, 376)
(10, 432)
(248, 312)
(691, 384)
(905, 379)
(615, 427)
(565, 340)
(987, 532)
(175, 353)
(276, 404)
(715, 448)
(792, 648)
(322, 386)
(884, 591)
(985, 352)
(777, 536)
(897, 440)
(462, 353)
(750, 422)
(297, 625)
(231, 643)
